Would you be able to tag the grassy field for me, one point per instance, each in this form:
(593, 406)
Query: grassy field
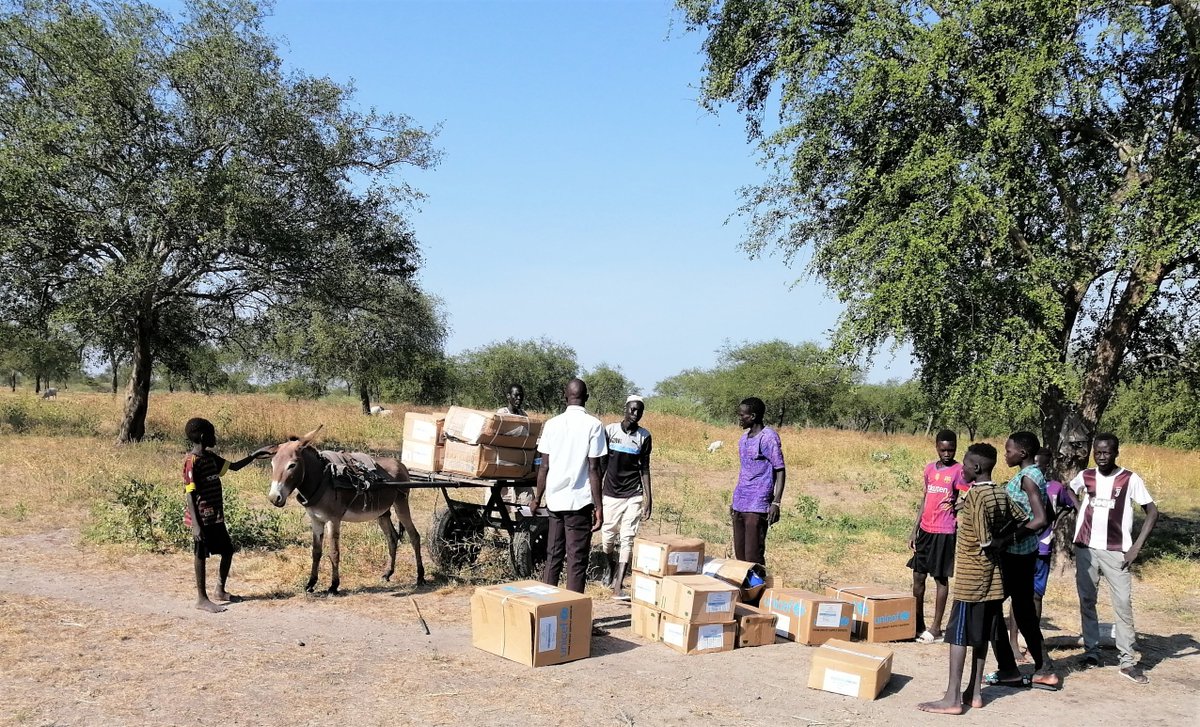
(849, 505)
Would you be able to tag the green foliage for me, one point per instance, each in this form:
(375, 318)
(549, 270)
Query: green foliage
(267, 187)
(799, 383)
(31, 415)
(543, 367)
(150, 515)
(608, 389)
(1007, 187)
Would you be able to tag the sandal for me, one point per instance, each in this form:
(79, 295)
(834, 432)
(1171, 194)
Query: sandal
(1023, 681)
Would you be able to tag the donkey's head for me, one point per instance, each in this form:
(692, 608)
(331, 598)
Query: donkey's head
(287, 467)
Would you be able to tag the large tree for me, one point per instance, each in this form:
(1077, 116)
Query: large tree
(162, 177)
(1012, 188)
(542, 367)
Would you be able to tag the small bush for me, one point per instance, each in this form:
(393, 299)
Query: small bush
(150, 515)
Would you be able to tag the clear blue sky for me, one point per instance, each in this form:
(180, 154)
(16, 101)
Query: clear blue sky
(584, 194)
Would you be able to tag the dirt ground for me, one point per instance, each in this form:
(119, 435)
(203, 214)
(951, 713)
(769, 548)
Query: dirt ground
(93, 638)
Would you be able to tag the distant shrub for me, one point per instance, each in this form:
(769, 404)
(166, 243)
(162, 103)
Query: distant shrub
(29, 415)
(150, 515)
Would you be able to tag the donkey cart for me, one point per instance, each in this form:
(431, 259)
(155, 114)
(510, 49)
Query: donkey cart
(460, 529)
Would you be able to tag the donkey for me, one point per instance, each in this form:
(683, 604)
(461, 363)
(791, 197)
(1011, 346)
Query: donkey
(297, 466)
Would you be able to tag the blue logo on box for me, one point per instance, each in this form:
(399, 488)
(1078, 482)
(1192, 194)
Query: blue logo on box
(893, 618)
(564, 630)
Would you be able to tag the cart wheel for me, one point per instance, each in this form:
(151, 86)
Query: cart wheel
(527, 550)
(455, 541)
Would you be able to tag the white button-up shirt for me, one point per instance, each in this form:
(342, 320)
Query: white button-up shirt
(571, 438)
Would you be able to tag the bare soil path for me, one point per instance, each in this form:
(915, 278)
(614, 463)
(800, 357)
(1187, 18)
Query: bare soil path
(86, 639)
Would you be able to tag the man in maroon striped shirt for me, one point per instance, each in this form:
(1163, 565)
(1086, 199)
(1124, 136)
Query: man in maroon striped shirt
(1104, 546)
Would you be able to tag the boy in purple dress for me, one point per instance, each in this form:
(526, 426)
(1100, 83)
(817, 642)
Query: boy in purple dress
(759, 491)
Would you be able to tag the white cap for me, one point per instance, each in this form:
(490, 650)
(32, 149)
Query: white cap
(634, 397)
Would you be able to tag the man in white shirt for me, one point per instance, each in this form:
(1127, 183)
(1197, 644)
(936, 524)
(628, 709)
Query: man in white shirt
(571, 446)
(1104, 547)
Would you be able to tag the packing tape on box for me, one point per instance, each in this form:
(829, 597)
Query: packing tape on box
(853, 653)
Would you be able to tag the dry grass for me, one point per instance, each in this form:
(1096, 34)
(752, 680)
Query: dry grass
(850, 500)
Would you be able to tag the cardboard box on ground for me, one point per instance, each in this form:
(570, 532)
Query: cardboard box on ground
(750, 578)
(756, 627)
(806, 617)
(667, 555)
(693, 638)
(473, 426)
(698, 599)
(855, 670)
(531, 623)
(644, 621)
(880, 613)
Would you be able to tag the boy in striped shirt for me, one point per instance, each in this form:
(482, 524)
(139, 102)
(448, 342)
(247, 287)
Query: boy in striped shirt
(986, 522)
(1104, 547)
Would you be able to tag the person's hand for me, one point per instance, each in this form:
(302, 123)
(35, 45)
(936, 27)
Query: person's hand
(959, 504)
(263, 452)
(947, 505)
(773, 514)
(1129, 558)
(647, 508)
(597, 518)
(912, 543)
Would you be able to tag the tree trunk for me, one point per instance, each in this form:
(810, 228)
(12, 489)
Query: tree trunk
(928, 424)
(12, 381)
(37, 383)
(114, 377)
(137, 394)
(364, 395)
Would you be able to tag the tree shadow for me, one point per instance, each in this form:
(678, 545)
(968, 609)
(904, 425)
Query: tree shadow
(1157, 649)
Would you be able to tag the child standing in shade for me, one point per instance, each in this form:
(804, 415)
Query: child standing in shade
(987, 519)
(932, 539)
(205, 507)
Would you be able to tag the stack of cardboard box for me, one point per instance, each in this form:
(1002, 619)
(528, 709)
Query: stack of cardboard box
(424, 446)
(472, 443)
(655, 557)
(486, 444)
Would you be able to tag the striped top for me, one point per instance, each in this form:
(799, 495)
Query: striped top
(1105, 521)
(987, 508)
(202, 476)
(1028, 542)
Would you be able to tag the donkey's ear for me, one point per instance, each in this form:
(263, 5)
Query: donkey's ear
(307, 439)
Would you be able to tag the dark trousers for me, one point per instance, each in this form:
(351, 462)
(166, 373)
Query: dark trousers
(569, 537)
(750, 536)
(1016, 571)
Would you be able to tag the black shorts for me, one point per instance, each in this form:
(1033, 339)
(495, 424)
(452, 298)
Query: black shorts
(934, 554)
(973, 624)
(213, 540)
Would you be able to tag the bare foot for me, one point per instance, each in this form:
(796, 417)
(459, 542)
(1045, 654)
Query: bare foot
(1047, 680)
(969, 697)
(944, 706)
(206, 605)
(225, 596)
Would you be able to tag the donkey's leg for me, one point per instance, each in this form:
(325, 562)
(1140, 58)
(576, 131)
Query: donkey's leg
(318, 535)
(406, 521)
(335, 553)
(389, 534)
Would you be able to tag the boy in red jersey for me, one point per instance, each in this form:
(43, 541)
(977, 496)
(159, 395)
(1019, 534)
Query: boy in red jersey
(932, 539)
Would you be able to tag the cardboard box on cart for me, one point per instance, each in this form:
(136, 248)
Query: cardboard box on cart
(854, 670)
(427, 428)
(422, 455)
(698, 599)
(531, 623)
(806, 617)
(880, 613)
(472, 426)
(667, 555)
(483, 460)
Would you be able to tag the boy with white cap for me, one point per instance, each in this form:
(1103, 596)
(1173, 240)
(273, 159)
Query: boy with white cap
(627, 496)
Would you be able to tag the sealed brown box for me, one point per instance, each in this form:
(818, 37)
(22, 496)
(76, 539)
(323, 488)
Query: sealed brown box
(645, 589)
(806, 617)
(427, 428)
(749, 577)
(531, 623)
(483, 460)
(644, 621)
(422, 455)
(473, 426)
(756, 627)
(855, 670)
(690, 638)
(880, 613)
(698, 599)
(667, 555)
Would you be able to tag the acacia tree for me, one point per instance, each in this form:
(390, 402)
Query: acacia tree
(1011, 188)
(543, 367)
(164, 177)
(608, 388)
